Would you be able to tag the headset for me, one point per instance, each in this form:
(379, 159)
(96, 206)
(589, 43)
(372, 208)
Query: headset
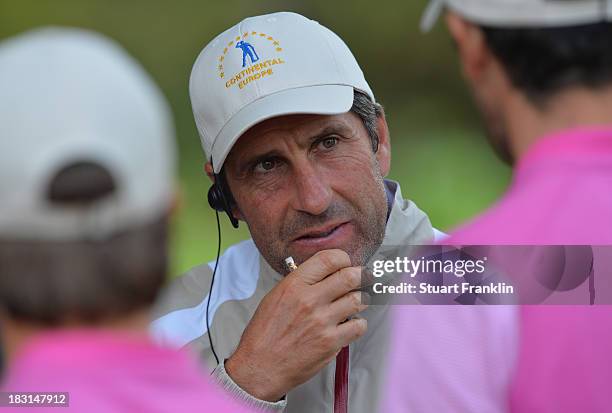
(220, 199)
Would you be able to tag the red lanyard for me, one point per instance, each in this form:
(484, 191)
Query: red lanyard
(341, 381)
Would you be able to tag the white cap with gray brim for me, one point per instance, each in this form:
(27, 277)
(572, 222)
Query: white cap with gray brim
(268, 66)
(71, 96)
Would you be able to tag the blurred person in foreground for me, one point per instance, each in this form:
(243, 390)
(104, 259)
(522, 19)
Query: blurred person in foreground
(541, 74)
(298, 149)
(87, 184)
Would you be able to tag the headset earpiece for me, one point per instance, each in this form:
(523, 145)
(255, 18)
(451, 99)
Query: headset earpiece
(220, 201)
(213, 199)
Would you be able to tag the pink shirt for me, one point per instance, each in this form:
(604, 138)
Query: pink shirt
(107, 372)
(561, 194)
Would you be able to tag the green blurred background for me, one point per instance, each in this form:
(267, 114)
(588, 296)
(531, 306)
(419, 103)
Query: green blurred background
(440, 155)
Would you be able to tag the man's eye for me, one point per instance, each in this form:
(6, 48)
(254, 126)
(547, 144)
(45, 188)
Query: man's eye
(329, 142)
(265, 165)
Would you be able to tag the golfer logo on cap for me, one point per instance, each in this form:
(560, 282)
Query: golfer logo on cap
(255, 69)
(247, 50)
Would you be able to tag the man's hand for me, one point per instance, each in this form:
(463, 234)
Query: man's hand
(299, 326)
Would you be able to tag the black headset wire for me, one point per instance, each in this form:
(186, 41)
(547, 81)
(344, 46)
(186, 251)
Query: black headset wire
(210, 291)
(212, 280)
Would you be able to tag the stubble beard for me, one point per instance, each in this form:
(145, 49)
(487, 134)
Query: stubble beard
(370, 230)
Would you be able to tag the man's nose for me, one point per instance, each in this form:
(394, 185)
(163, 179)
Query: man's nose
(313, 191)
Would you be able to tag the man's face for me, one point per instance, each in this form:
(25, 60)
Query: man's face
(306, 183)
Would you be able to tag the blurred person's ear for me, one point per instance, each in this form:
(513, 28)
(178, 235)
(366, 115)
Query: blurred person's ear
(383, 155)
(481, 68)
(471, 45)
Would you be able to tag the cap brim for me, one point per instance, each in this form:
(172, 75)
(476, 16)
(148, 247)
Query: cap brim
(507, 14)
(431, 15)
(313, 100)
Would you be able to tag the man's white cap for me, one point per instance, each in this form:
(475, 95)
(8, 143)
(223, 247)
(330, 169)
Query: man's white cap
(522, 13)
(71, 96)
(267, 66)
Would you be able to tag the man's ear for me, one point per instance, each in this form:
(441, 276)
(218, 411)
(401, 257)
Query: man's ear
(384, 146)
(208, 170)
(474, 54)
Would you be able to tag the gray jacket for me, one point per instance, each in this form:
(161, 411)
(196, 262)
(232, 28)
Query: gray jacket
(243, 279)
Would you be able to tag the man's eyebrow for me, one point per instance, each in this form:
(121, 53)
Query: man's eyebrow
(249, 160)
(335, 128)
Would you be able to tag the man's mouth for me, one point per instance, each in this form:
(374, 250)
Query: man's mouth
(318, 233)
(336, 235)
